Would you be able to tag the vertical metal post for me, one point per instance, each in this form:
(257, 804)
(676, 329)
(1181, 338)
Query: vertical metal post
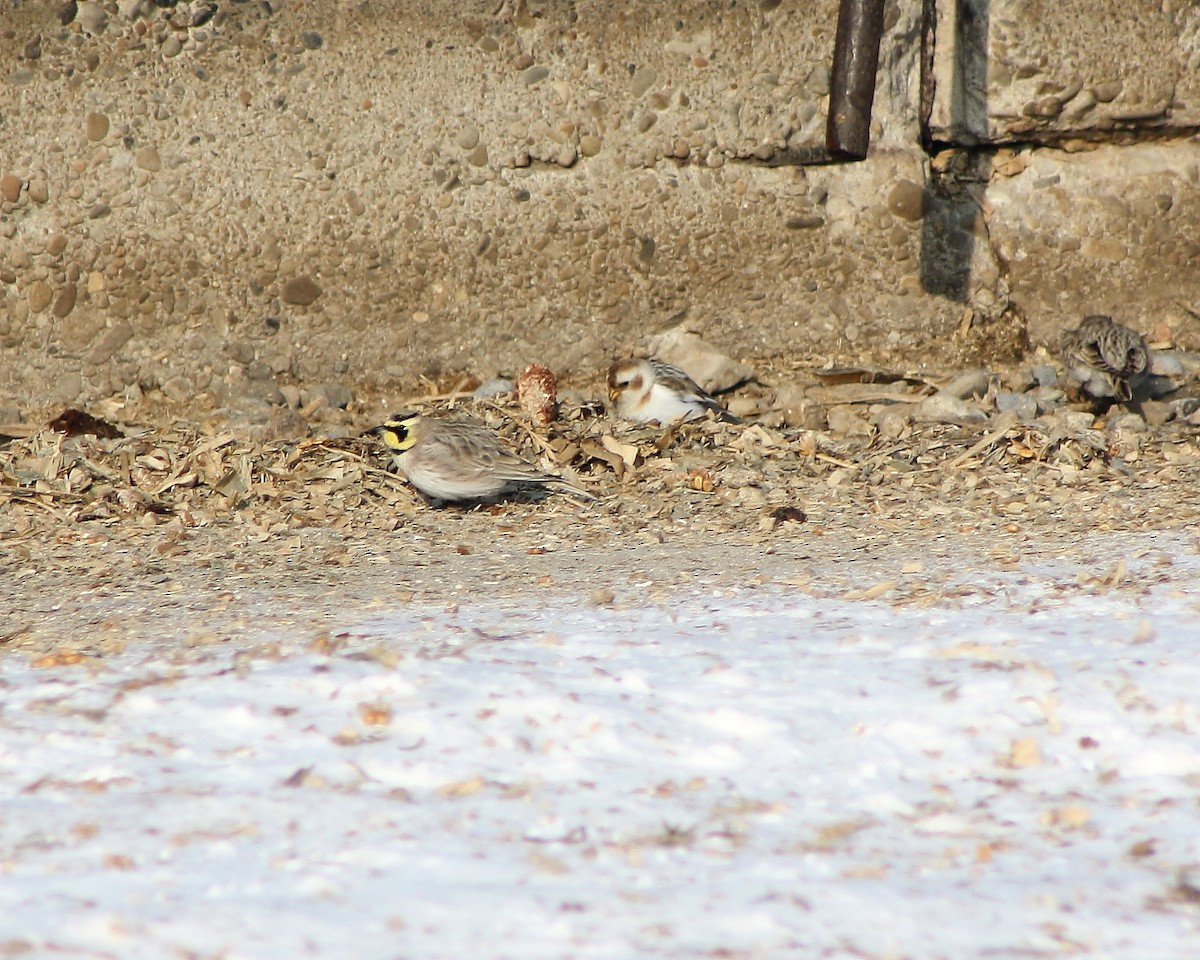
(852, 84)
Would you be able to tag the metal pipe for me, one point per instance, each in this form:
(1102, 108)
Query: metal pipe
(852, 84)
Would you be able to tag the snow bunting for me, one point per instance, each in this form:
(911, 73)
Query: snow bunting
(650, 390)
(1105, 357)
(459, 460)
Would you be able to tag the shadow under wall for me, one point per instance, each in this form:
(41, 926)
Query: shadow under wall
(953, 194)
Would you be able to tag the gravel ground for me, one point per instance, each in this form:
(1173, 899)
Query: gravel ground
(326, 546)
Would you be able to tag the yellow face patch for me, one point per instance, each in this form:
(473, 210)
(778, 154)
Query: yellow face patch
(397, 433)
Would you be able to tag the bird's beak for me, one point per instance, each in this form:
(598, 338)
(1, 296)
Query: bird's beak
(613, 393)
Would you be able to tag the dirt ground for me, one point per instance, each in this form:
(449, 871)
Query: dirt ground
(181, 535)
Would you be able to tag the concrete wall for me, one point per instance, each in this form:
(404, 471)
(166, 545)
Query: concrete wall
(219, 199)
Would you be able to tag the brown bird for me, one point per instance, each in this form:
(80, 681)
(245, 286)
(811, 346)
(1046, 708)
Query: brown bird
(460, 460)
(1105, 357)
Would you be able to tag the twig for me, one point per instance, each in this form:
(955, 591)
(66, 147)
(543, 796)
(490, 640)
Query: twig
(1004, 423)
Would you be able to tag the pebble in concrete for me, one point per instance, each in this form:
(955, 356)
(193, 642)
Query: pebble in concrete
(301, 291)
(97, 126)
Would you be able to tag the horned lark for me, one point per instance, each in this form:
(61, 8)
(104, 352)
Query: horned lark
(1105, 357)
(459, 460)
(651, 390)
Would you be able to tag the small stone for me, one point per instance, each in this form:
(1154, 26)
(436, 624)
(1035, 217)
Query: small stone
(945, 408)
(1107, 91)
(33, 49)
(81, 330)
(479, 156)
(10, 187)
(589, 145)
(97, 126)
(311, 40)
(818, 80)
(301, 291)
(1166, 363)
(39, 192)
(328, 395)
(1125, 422)
(96, 282)
(109, 342)
(490, 389)
(98, 211)
(178, 388)
(69, 386)
(1105, 248)
(1022, 404)
(147, 159)
(91, 16)
(844, 420)
(1158, 412)
(534, 75)
(643, 80)
(56, 244)
(797, 409)
(20, 77)
(130, 9)
(969, 383)
(1044, 107)
(1049, 398)
(1044, 375)
(66, 13)
(701, 361)
(1154, 386)
(202, 13)
(908, 200)
(892, 424)
(64, 303)
(804, 221)
(172, 46)
(682, 149)
(241, 351)
(468, 137)
(646, 121)
(40, 295)
(285, 423)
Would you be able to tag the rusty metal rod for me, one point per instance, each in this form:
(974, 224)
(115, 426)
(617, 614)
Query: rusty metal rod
(852, 84)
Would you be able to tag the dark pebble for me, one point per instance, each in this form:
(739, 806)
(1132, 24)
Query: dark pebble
(66, 13)
(808, 221)
(301, 291)
(202, 13)
(311, 40)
